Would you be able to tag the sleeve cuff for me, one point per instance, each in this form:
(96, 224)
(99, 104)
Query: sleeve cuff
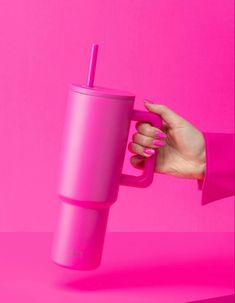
(218, 181)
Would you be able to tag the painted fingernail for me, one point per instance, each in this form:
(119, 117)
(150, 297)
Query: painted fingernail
(160, 135)
(149, 151)
(159, 143)
(148, 101)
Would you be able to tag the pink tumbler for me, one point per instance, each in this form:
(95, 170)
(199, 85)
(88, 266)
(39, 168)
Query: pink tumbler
(93, 150)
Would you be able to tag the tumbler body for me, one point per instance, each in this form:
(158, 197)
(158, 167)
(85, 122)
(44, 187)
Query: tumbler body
(92, 154)
(93, 149)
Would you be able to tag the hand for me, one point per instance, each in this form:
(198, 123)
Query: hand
(181, 146)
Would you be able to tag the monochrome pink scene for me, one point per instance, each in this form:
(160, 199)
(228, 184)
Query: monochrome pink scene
(117, 161)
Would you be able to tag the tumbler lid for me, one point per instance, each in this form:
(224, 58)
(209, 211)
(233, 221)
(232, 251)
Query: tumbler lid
(102, 92)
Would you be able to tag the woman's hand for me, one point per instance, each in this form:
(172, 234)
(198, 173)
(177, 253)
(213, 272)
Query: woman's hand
(181, 146)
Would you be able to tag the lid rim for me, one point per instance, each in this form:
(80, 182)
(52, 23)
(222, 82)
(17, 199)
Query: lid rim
(102, 91)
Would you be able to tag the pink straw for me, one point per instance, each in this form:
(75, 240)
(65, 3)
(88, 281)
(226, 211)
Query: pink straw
(93, 59)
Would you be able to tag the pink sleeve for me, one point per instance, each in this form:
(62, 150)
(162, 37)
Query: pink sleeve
(218, 181)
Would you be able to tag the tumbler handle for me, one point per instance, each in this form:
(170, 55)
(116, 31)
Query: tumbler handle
(146, 178)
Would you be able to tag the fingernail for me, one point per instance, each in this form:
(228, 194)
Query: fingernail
(159, 143)
(148, 101)
(160, 135)
(149, 151)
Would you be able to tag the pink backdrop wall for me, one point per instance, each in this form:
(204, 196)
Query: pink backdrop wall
(175, 52)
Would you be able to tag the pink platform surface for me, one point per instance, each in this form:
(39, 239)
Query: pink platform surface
(136, 267)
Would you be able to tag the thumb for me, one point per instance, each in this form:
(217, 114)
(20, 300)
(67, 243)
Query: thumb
(168, 115)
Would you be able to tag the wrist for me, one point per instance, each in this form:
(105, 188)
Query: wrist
(201, 163)
(201, 171)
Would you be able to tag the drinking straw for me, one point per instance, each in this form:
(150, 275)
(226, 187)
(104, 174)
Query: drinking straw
(93, 59)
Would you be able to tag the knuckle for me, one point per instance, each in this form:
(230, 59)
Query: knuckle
(163, 108)
(146, 129)
(145, 141)
(141, 126)
(149, 130)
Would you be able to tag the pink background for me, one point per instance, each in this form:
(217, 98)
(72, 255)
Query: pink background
(175, 52)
